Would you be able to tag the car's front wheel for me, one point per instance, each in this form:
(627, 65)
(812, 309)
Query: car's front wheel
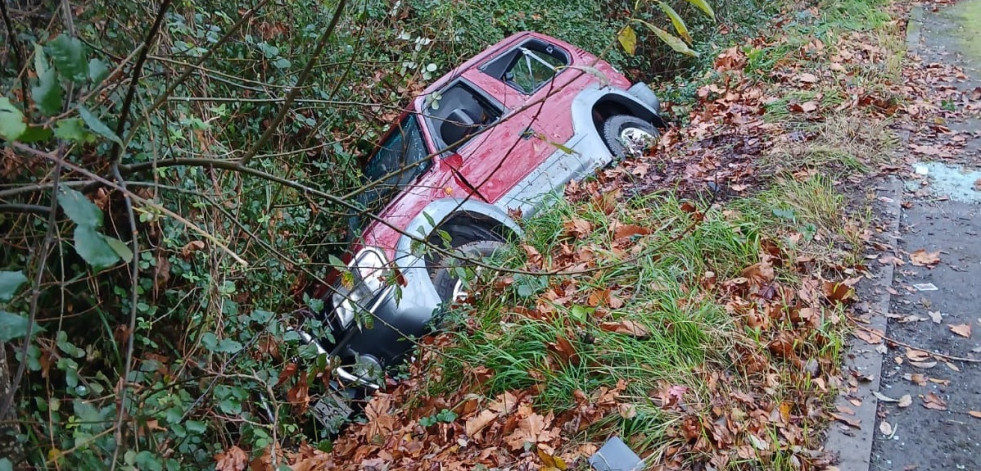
(449, 286)
(627, 135)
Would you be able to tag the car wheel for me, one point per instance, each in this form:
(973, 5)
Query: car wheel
(451, 288)
(627, 135)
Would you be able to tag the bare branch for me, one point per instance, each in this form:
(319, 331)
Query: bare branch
(117, 148)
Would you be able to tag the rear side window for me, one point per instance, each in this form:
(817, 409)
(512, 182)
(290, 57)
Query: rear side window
(529, 66)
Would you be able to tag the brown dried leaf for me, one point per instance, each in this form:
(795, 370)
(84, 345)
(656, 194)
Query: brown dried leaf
(974, 413)
(905, 401)
(191, 247)
(625, 326)
(932, 401)
(922, 258)
(233, 459)
(477, 423)
(629, 230)
(870, 336)
(964, 330)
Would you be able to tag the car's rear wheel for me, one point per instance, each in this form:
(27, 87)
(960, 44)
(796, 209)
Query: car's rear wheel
(627, 135)
(448, 285)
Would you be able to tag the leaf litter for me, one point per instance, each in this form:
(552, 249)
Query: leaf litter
(732, 414)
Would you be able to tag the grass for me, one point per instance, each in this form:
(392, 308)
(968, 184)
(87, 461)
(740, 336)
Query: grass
(689, 330)
(704, 322)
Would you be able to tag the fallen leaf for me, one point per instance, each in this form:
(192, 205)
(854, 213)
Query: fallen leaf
(870, 336)
(477, 423)
(922, 258)
(964, 330)
(625, 327)
(191, 247)
(926, 365)
(885, 428)
(905, 401)
(935, 316)
(932, 401)
(758, 443)
(627, 411)
(629, 230)
(233, 459)
(807, 77)
(974, 413)
(917, 355)
(854, 423)
(883, 397)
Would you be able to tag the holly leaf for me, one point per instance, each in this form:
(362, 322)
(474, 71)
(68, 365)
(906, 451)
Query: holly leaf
(10, 283)
(79, 209)
(68, 55)
(12, 123)
(93, 248)
(97, 126)
(47, 93)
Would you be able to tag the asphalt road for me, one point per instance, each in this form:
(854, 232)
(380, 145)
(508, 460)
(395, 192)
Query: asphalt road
(936, 431)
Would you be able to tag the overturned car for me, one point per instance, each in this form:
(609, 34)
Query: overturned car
(486, 141)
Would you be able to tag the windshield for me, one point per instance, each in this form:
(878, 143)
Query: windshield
(393, 167)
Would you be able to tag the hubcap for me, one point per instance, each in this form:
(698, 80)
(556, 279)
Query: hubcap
(635, 140)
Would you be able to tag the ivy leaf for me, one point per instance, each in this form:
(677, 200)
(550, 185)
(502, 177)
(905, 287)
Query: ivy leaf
(679, 24)
(10, 282)
(12, 123)
(69, 58)
(704, 6)
(72, 130)
(98, 126)
(93, 248)
(12, 326)
(97, 71)
(79, 209)
(628, 39)
(120, 248)
(47, 93)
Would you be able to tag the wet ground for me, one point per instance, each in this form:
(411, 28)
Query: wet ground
(937, 309)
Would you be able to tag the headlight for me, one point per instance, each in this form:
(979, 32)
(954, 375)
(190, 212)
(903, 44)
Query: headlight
(369, 268)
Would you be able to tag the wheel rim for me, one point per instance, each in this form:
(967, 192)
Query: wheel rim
(635, 140)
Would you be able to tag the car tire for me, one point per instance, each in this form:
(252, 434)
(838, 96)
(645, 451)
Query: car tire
(623, 135)
(447, 284)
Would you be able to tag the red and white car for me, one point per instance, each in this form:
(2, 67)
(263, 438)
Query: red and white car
(491, 138)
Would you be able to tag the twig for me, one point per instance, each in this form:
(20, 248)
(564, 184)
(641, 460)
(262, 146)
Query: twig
(117, 148)
(97, 179)
(187, 72)
(49, 236)
(134, 299)
(904, 344)
(304, 74)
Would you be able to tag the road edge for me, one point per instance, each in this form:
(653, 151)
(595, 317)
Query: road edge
(853, 449)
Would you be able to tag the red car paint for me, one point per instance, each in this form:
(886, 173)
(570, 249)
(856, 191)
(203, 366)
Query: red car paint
(495, 160)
